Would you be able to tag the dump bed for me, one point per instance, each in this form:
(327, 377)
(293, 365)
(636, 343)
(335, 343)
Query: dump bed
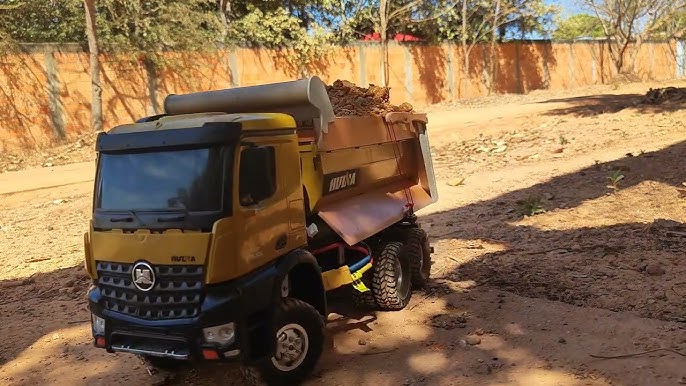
(361, 173)
(367, 171)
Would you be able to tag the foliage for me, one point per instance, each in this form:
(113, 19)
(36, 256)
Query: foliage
(254, 26)
(579, 26)
(49, 21)
(524, 17)
(531, 206)
(615, 178)
(153, 26)
(671, 27)
(626, 21)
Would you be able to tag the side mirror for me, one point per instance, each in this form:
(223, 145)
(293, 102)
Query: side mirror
(257, 175)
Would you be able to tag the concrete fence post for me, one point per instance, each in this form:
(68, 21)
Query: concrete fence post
(54, 98)
(153, 96)
(680, 58)
(547, 48)
(571, 64)
(363, 65)
(408, 73)
(233, 68)
(518, 68)
(449, 71)
(651, 65)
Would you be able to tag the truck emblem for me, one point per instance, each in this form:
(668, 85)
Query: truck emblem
(143, 276)
(339, 181)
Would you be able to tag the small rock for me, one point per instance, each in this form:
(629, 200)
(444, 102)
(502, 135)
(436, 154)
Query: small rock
(473, 340)
(362, 342)
(479, 331)
(562, 340)
(47, 165)
(69, 284)
(500, 149)
(655, 270)
(59, 201)
(462, 343)
(456, 182)
(468, 284)
(558, 150)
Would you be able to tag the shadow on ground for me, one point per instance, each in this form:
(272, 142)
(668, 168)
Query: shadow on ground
(409, 350)
(587, 106)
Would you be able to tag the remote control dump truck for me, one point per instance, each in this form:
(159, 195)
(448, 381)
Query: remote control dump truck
(219, 226)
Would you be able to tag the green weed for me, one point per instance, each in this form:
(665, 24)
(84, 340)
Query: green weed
(614, 178)
(531, 206)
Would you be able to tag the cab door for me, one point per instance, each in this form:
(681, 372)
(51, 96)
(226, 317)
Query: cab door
(269, 210)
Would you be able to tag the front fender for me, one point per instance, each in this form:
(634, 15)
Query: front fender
(304, 279)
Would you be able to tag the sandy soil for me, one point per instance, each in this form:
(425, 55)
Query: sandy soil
(540, 262)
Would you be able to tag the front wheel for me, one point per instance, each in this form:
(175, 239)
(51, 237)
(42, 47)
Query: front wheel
(299, 342)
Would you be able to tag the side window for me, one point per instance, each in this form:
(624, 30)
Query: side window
(257, 174)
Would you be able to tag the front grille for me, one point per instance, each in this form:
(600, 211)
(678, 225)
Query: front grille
(177, 292)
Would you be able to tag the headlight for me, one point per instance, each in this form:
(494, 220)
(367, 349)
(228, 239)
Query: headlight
(98, 324)
(224, 334)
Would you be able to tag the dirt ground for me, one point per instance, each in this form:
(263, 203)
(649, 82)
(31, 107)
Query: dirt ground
(559, 234)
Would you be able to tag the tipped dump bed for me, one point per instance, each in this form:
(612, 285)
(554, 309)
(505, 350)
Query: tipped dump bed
(361, 173)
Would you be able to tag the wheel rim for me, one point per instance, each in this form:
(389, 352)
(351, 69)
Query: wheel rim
(291, 347)
(400, 280)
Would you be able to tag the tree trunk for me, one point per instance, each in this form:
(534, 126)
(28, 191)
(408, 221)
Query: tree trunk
(383, 15)
(494, 39)
(224, 7)
(465, 51)
(96, 102)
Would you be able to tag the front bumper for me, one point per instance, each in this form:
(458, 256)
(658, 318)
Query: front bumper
(180, 339)
(247, 303)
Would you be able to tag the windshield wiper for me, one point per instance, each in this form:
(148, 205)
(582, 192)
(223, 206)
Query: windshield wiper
(172, 219)
(121, 219)
(130, 218)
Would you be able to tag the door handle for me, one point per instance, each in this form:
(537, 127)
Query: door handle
(281, 242)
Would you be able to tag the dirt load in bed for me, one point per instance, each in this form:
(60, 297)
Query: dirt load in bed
(351, 100)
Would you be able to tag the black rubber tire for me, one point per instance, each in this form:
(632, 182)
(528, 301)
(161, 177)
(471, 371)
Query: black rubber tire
(418, 251)
(295, 311)
(387, 294)
(363, 300)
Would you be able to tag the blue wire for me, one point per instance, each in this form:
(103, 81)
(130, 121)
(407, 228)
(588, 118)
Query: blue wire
(357, 266)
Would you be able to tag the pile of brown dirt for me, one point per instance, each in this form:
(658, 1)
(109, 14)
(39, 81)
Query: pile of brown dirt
(348, 99)
(659, 96)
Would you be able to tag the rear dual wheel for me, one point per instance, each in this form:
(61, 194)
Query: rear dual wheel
(391, 283)
(419, 253)
(389, 280)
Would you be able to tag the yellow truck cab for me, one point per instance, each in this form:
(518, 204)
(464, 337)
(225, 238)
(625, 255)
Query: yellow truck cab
(218, 228)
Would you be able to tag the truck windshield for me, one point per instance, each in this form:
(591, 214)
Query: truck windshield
(188, 180)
